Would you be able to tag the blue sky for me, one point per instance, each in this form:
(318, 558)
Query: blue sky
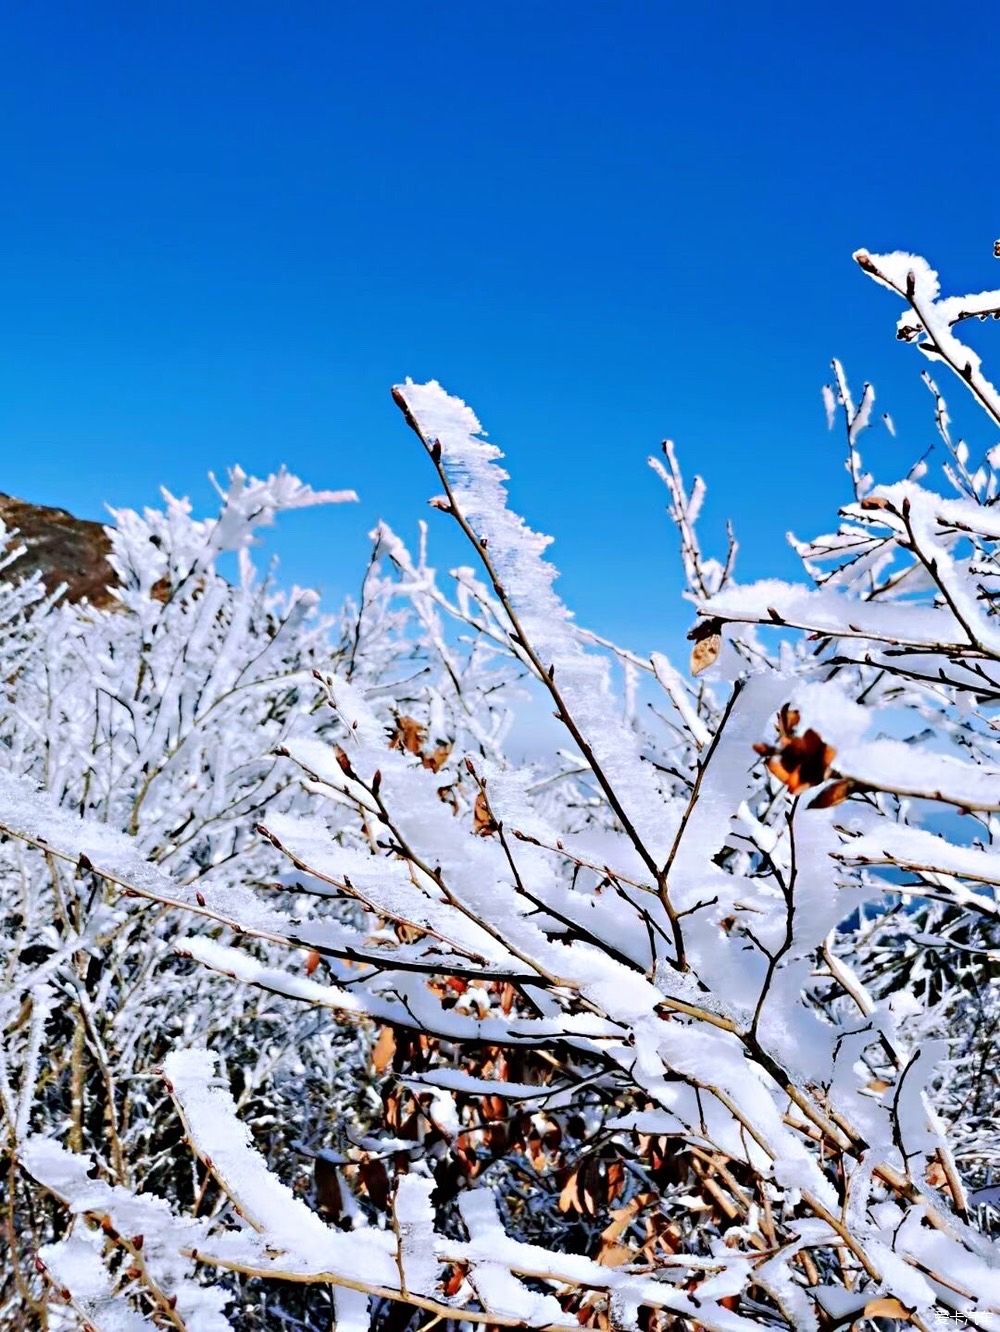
(225, 230)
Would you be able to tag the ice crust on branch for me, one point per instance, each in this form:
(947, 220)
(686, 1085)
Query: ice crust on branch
(528, 580)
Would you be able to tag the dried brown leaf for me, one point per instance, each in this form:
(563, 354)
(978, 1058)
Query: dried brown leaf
(453, 1282)
(437, 758)
(376, 1181)
(707, 638)
(833, 794)
(483, 822)
(888, 1307)
(408, 735)
(569, 1198)
(705, 653)
(614, 1255)
(329, 1198)
(798, 761)
(936, 1175)
(383, 1050)
(788, 722)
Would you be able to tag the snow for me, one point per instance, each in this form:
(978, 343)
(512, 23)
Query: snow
(414, 1220)
(942, 862)
(76, 1266)
(837, 614)
(893, 765)
(351, 1310)
(222, 1140)
(909, 273)
(166, 1239)
(34, 817)
(453, 1079)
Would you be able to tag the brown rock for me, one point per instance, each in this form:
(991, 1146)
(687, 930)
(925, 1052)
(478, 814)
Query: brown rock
(62, 549)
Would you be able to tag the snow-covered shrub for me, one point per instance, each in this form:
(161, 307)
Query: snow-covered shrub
(163, 718)
(665, 1017)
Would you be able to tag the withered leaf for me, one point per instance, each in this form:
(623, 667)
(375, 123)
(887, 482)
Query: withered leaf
(887, 1307)
(798, 761)
(614, 1255)
(328, 1195)
(834, 794)
(492, 1107)
(707, 638)
(592, 1186)
(788, 722)
(936, 1175)
(705, 653)
(383, 1050)
(410, 1127)
(437, 758)
(376, 1181)
(615, 1179)
(569, 1198)
(483, 822)
(453, 1281)
(496, 1139)
(411, 736)
(803, 762)
(408, 735)
(622, 1217)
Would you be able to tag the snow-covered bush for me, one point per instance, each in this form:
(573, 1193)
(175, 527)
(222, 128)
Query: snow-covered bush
(161, 718)
(687, 1024)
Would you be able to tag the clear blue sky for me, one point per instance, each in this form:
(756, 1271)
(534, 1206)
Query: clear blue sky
(226, 229)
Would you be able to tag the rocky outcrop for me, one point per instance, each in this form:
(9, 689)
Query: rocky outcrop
(62, 549)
